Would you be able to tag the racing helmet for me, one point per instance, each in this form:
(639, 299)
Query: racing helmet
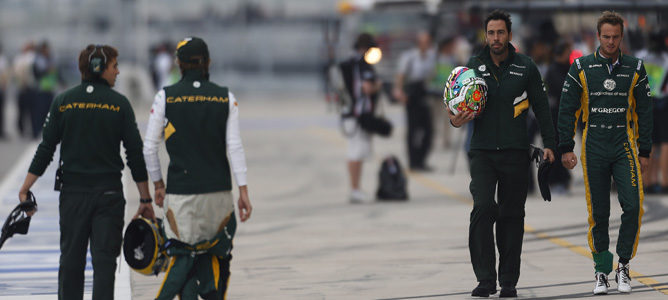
(143, 246)
(465, 91)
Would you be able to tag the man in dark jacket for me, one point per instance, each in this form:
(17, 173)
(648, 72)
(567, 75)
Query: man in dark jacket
(90, 121)
(560, 177)
(499, 155)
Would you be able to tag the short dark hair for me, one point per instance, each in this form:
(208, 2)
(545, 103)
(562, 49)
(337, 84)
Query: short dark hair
(364, 41)
(203, 66)
(449, 40)
(498, 14)
(105, 52)
(561, 46)
(610, 17)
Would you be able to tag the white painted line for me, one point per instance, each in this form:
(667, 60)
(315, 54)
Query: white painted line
(122, 285)
(19, 168)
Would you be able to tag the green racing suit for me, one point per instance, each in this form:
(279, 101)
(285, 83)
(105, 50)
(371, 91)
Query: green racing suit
(613, 101)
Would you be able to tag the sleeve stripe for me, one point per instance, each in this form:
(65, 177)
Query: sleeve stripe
(576, 81)
(641, 80)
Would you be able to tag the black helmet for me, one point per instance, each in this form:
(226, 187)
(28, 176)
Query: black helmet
(142, 246)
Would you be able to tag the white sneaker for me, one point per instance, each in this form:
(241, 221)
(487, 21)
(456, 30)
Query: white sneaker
(601, 287)
(357, 197)
(622, 278)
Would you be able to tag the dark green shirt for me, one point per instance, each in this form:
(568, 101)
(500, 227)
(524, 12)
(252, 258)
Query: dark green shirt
(196, 112)
(90, 121)
(513, 87)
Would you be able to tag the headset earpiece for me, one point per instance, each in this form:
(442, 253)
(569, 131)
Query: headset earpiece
(96, 64)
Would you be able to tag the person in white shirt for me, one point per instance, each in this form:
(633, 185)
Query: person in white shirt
(198, 120)
(25, 79)
(415, 68)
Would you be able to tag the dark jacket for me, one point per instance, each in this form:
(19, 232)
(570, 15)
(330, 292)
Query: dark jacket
(513, 87)
(90, 121)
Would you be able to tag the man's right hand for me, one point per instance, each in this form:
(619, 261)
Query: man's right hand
(461, 118)
(23, 196)
(569, 160)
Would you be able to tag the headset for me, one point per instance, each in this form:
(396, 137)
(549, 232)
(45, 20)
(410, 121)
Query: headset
(97, 65)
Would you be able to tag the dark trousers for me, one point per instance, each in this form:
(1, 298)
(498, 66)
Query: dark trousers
(504, 171)
(2, 113)
(558, 173)
(25, 102)
(420, 127)
(96, 217)
(41, 103)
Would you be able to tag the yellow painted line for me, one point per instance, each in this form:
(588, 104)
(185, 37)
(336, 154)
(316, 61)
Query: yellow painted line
(335, 137)
(438, 187)
(646, 280)
(329, 135)
(561, 242)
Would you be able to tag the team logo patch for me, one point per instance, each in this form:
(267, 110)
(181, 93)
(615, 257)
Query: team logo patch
(89, 89)
(196, 84)
(482, 68)
(609, 84)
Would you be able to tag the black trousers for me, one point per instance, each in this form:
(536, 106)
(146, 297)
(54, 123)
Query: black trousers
(96, 217)
(420, 126)
(501, 173)
(41, 102)
(558, 173)
(2, 112)
(25, 102)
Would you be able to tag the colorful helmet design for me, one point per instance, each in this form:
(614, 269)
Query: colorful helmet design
(465, 91)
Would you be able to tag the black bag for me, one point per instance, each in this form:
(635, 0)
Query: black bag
(374, 124)
(391, 180)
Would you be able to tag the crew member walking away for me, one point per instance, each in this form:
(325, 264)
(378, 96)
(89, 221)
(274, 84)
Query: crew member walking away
(199, 122)
(90, 121)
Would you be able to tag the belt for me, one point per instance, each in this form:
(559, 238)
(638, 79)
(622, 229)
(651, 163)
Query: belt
(606, 126)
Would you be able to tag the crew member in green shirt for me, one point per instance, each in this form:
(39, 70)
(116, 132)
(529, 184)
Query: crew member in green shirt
(90, 121)
(500, 155)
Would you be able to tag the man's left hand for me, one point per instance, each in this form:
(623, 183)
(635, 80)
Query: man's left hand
(548, 155)
(644, 164)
